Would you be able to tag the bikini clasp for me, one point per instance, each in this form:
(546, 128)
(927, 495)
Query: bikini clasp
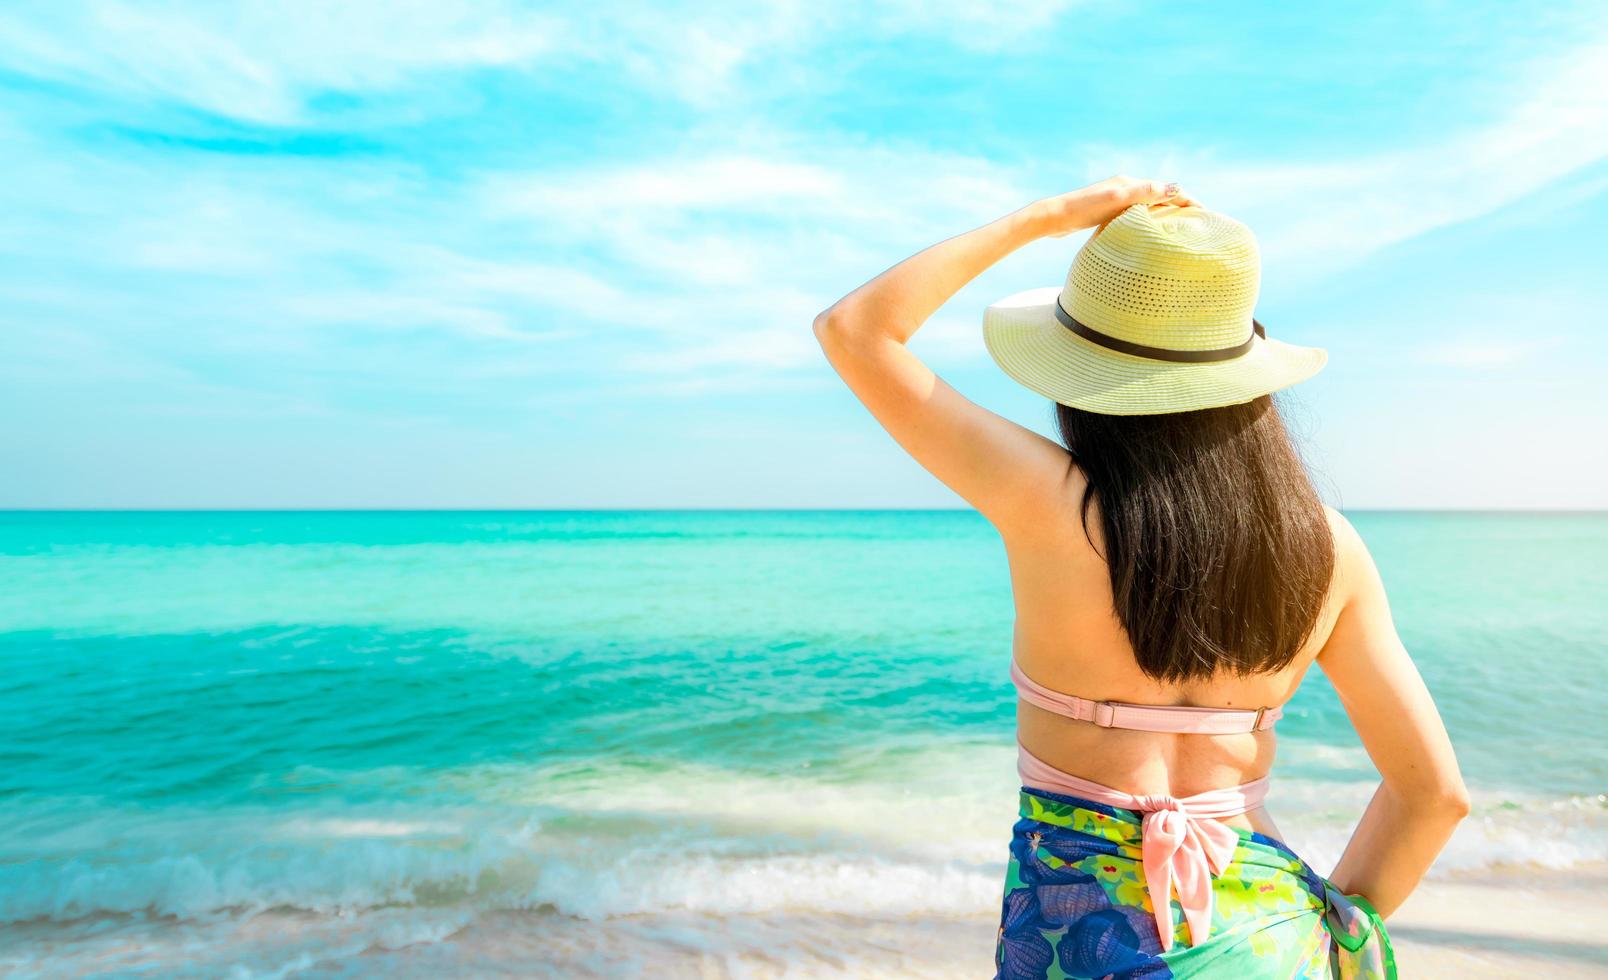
(1110, 714)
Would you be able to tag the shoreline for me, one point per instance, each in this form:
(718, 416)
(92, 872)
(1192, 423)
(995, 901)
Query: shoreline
(1487, 924)
(1509, 922)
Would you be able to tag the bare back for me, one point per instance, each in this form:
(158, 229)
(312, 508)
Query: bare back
(1068, 638)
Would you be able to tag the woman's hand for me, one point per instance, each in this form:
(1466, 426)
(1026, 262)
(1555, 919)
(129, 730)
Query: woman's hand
(1098, 203)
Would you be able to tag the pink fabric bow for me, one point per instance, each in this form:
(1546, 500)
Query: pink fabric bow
(1182, 850)
(1183, 842)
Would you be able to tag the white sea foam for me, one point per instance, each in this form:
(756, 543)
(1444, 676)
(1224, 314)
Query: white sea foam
(925, 840)
(432, 943)
(606, 872)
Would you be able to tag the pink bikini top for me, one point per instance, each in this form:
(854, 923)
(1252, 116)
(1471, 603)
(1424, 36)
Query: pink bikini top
(1178, 719)
(1183, 841)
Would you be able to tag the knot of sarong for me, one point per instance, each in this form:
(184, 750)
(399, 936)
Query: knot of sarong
(1183, 851)
(1184, 842)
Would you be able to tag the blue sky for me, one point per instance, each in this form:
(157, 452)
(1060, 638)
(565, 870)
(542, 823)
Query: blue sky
(486, 254)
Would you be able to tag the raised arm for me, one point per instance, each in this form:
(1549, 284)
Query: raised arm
(1422, 797)
(1003, 469)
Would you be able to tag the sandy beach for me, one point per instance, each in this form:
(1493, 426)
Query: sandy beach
(1506, 923)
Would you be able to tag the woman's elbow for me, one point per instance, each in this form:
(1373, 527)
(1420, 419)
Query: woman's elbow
(1455, 800)
(1450, 800)
(837, 332)
(834, 321)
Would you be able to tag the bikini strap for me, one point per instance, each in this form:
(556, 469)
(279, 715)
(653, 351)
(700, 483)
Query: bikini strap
(1172, 719)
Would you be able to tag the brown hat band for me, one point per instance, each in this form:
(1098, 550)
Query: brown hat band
(1155, 353)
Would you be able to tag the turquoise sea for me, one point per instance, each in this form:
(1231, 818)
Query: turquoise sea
(630, 743)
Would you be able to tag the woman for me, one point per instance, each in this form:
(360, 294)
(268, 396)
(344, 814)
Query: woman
(1175, 575)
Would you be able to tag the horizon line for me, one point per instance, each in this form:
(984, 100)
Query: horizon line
(753, 510)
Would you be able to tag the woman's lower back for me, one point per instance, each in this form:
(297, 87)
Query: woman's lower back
(1150, 763)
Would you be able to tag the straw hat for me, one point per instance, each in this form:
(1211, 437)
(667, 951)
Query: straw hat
(1154, 317)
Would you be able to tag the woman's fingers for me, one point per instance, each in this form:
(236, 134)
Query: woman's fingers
(1158, 193)
(1178, 201)
(1171, 195)
(1152, 191)
(1094, 206)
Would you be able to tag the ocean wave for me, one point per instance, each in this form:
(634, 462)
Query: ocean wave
(616, 843)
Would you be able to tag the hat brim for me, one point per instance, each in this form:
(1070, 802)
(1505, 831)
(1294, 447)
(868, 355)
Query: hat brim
(1030, 345)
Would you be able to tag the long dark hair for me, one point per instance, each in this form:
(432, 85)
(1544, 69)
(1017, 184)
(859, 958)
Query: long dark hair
(1219, 548)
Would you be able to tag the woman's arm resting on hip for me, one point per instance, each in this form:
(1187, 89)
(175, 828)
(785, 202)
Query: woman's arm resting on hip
(1422, 797)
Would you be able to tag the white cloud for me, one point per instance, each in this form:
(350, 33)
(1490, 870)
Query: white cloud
(1314, 219)
(262, 61)
(778, 347)
(373, 308)
(701, 50)
(740, 250)
(551, 284)
(1476, 354)
(722, 182)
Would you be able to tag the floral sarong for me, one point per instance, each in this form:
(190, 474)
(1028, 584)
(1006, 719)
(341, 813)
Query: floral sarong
(1076, 905)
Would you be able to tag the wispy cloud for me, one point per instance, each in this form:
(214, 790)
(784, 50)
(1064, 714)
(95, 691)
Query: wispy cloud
(734, 253)
(1315, 218)
(264, 62)
(1486, 355)
(271, 62)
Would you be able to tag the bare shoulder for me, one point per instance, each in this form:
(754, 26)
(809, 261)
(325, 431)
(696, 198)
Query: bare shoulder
(1339, 524)
(1358, 590)
(1349, 553)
